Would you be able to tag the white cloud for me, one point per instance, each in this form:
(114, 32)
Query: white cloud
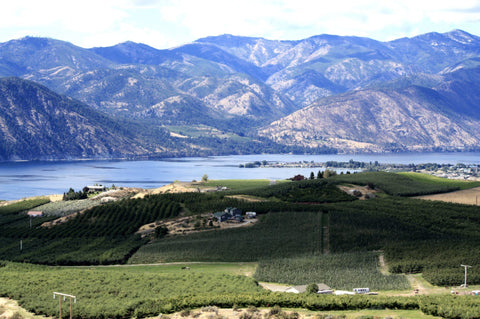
(303, 18)
(166, 23)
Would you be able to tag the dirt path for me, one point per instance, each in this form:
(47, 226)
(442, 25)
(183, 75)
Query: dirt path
(417, 284)
(383, 265)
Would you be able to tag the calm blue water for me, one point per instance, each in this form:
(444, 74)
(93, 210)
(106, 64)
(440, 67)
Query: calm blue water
(24, 179)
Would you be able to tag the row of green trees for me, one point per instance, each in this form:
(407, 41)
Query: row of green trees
(319, 191)
(102, 234)
(396, 184)
(104, 292)
(339, 271)
(73, 195)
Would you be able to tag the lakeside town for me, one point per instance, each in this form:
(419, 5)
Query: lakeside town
(457, 171)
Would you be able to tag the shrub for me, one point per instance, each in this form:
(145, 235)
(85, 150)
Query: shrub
(312, 289)
(276, 310)
(185, 313)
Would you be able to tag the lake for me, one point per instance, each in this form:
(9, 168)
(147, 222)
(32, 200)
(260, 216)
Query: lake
(25, 179)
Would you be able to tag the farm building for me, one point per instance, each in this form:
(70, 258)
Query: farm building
(297, 178)
(222, 216)
(230, 213)
(35, 213)
(94, 188)
(233, 211)
(322, 289)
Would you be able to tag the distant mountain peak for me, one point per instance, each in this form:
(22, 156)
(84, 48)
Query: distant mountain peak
(462, 36)
(252, 81)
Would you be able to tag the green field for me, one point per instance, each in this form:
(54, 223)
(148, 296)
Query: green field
(116, 291)
(64, 208)
(339, 271)
(307, 231)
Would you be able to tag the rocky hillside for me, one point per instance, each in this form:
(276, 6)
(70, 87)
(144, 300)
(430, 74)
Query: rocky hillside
(36, 123)
(408, 118)
(324, 65)
(133, 79)
(351, 93)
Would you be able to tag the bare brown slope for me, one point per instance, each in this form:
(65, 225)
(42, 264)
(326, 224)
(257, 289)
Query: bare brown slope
(378, 120)
(36, 123)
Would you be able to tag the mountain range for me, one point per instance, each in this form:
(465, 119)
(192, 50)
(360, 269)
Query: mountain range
(231, 94)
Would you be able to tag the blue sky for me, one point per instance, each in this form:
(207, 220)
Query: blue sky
(168, 23)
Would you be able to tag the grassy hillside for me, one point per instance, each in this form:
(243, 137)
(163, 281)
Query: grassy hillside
(404, 184)
(433, 180)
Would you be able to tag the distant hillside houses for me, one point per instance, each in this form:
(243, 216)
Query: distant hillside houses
(232, 214)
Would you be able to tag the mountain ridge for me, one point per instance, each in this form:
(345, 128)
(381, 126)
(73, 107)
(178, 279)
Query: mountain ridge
(245, 86)
(38, 124)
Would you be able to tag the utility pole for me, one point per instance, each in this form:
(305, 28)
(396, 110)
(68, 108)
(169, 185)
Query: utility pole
(465, 266)
(60, 302)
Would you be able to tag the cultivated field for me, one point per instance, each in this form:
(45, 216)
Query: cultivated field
(468, 196)
(306, 231)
